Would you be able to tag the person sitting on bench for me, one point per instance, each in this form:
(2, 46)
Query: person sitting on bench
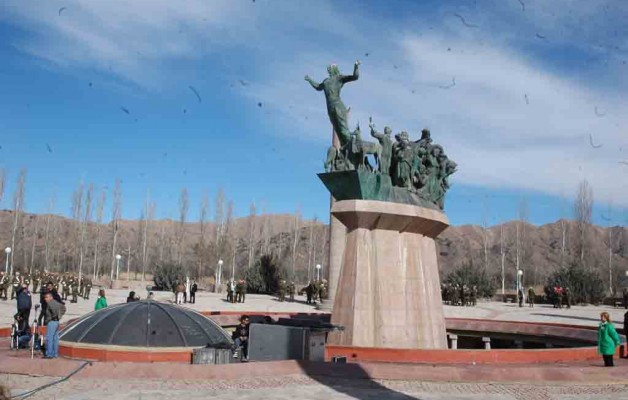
(241, 338)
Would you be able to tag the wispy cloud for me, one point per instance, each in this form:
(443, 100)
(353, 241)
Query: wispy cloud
(519, 116)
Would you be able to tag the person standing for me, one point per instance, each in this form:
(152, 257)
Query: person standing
(52, 317)
(567, 297)
(24, 302)
(102, 300)
(291, 289)
(16, 283)
(193, 290)
(531, 296)
(608, 339)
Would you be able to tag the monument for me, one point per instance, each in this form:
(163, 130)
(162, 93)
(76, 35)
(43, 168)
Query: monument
(389, 195)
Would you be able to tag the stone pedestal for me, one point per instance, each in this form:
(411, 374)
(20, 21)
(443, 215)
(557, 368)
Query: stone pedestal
(389, 287)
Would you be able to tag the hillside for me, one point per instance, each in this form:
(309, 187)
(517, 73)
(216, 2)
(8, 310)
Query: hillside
(56, 245)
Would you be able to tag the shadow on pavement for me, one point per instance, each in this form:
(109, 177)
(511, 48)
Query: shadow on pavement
(351, 380)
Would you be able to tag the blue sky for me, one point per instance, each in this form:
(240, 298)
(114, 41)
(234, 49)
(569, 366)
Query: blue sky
(535, 81)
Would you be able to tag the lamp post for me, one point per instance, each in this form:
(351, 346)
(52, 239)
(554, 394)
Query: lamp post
(519, 280)
(218, 276)
(7, 251)
(318, 272)
(118, 258)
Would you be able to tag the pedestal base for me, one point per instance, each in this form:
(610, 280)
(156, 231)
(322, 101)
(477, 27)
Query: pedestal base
(389, 287)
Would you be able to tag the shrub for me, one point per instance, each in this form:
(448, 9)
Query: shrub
(264, 276)
(471, 275)
(585, 286)
(168, 275)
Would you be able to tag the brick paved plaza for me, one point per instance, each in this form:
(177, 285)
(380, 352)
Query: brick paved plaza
(435, 382)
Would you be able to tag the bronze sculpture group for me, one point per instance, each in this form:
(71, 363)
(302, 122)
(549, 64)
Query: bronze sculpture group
(420, 167)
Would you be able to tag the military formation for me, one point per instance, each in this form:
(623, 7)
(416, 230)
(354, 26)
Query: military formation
(68, 285)
(459, 295)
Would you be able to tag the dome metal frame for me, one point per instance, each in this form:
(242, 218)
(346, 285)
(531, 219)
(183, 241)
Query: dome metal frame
(165, 326)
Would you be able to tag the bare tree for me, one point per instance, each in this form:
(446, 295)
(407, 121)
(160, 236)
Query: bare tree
(3, 177)
(116, 214)
(99, 211)
(76, 211)
(219, 222)
(610, 248)
(252, 223)
(310, 249)
(266, 232)
(583, 208)
(35, 233)
(184, 203)
(84, 227)
(18, 207)
(521, 242)
(485, 236)
(563, 232)
(295, 239)
(502, 252)
(47, 246)
(229, 239)
(148, 214)
(202, 221)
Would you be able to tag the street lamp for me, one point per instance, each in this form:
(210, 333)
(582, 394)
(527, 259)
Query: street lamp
(318, 272)
(8, 252)
(218, 275)
(118, 258)
(519, 280)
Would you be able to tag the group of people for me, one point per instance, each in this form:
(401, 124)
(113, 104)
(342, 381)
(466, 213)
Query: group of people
(70, 285)
(51, 311)
(315, 290)
(459, 295)
(54, 291)
(561, 296)
(181, 291)
(236, 291)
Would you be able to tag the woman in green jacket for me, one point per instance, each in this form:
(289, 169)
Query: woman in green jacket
(608, 339)
(102, 301)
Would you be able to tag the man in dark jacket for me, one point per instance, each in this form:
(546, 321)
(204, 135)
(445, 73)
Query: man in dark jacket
(49, 288)
(52, 316)
(193, 291)
(241, 338)
(24, 302)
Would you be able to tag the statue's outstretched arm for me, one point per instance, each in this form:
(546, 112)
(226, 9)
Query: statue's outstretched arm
(355, 76)
(317, 86)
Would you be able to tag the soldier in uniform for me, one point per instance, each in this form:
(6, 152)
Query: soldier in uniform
(282, 291)
(65, 283)
(567, 297)
(455, 293)
(322, 290)
(4, 285)
(75, 290)
(15, 284)
(87, 288)
(531, 296)
(474, 295)
(27, 280)
(291, 289)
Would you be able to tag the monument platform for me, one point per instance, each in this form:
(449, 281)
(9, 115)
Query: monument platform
(389, 288)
